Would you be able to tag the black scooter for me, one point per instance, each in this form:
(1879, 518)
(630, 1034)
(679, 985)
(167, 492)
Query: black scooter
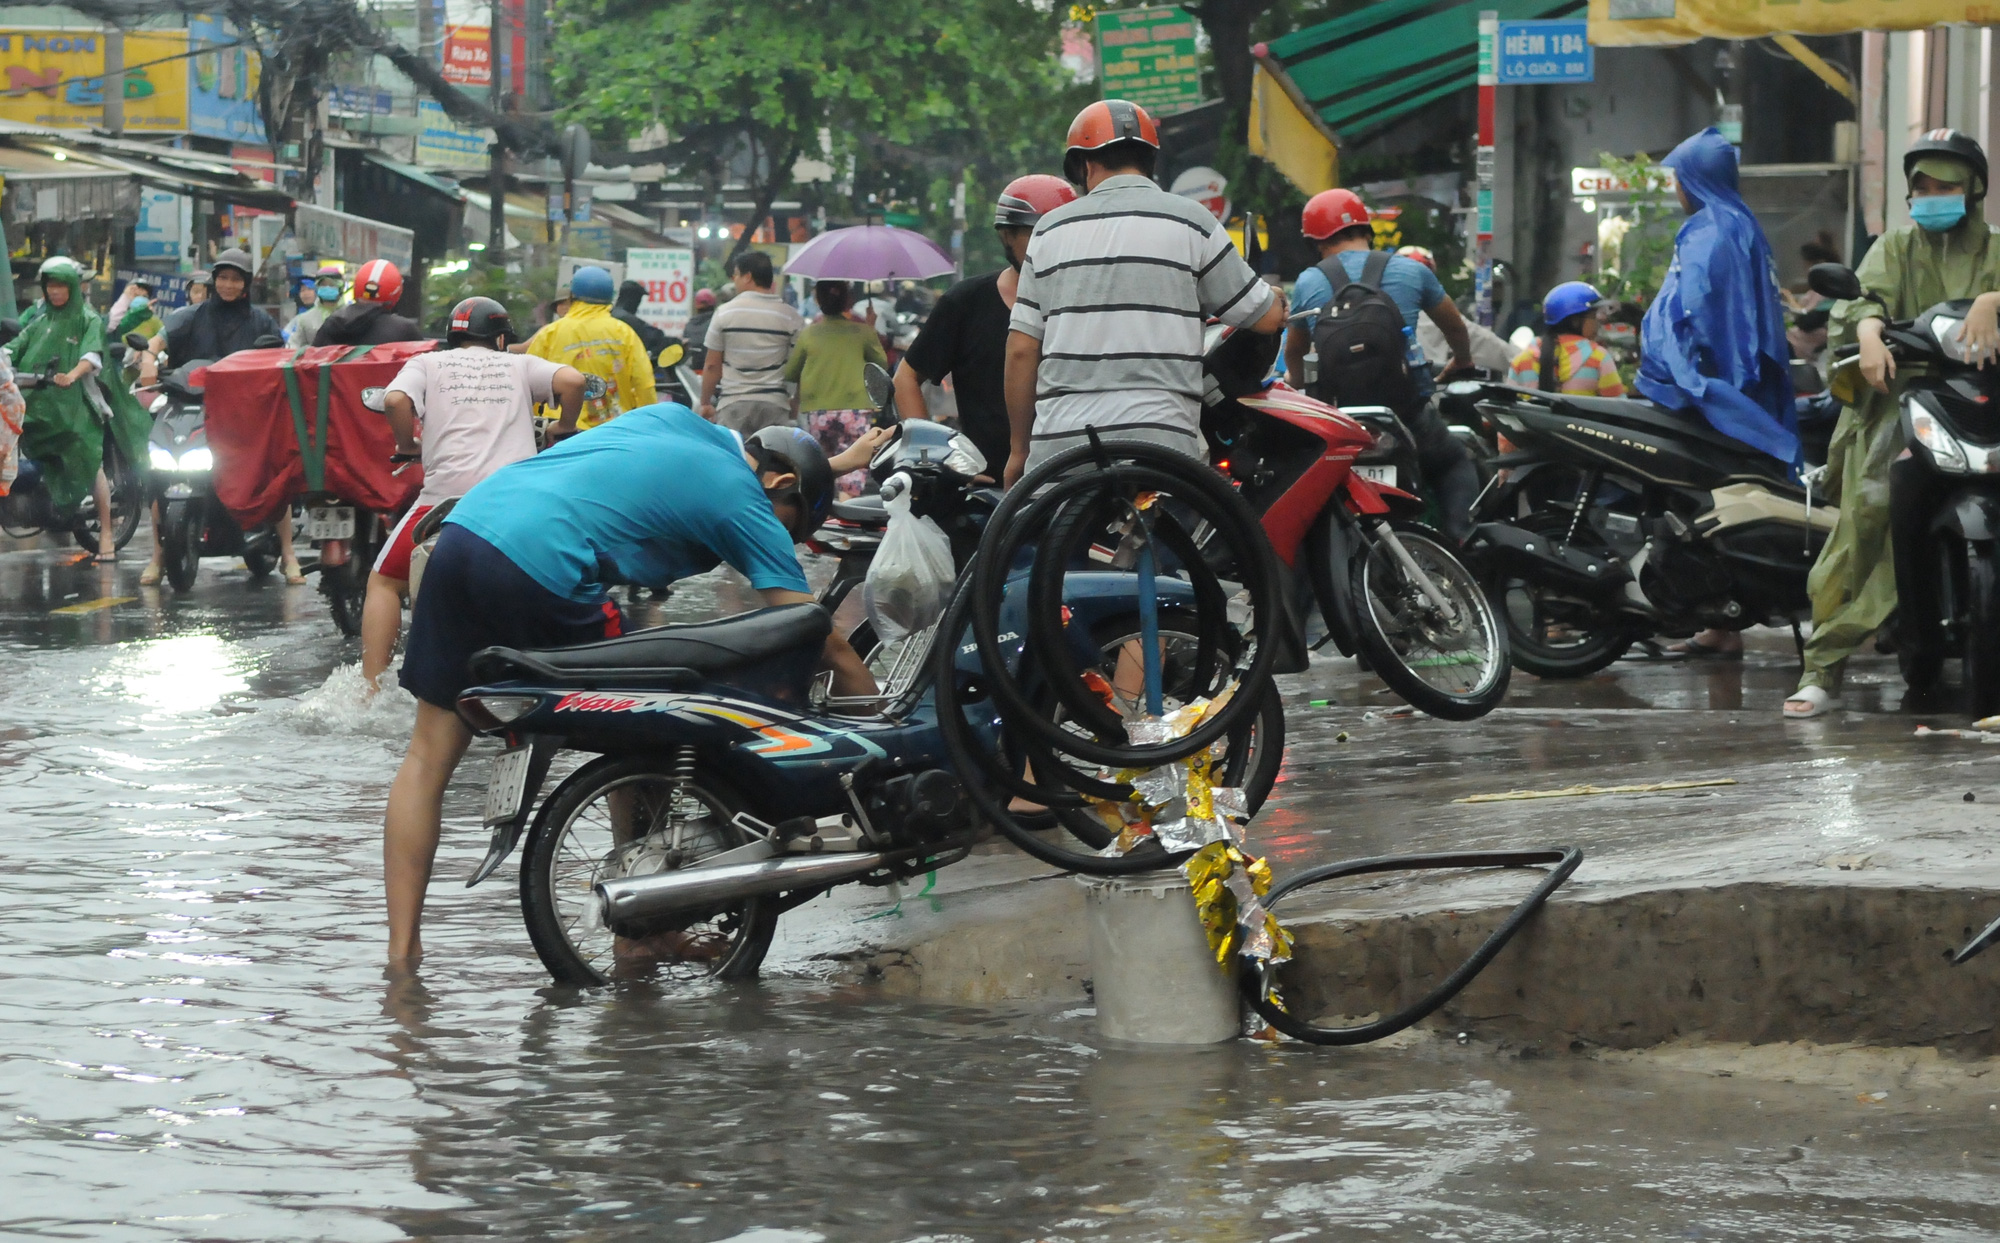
(1944, 495)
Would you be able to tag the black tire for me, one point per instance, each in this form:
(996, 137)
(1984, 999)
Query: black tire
(128, 501)
(346, 586)
(180, 543)
(1395, 623)
(1982, 630)
(1549, 633)
(257, 561)
(556, 901)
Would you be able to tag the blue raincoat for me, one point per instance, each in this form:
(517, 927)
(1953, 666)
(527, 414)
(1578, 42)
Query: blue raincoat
(1714, 338)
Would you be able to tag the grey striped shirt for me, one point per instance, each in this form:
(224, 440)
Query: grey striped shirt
(754, 330)
(1116, 287)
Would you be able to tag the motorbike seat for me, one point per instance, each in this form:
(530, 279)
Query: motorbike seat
(673, 655)
(1639, 415)
(867, 511)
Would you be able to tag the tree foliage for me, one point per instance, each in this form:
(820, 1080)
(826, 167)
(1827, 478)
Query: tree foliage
(1632, 263)
(931, 87)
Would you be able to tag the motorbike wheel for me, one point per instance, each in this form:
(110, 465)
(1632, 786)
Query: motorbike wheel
(346, 587)
(613, 818)
(128, 501)
(180, 543)
(1454, 665)
(1982, 631)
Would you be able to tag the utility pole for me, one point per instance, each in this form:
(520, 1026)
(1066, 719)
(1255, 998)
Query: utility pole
(958, 229)
(496, 225)
(114, 81)
(1729, 92)
(1489, 83)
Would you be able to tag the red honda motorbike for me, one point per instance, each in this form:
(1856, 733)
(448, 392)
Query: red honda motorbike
(1390, 589)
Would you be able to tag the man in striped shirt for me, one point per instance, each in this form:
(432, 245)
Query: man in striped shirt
(743, 377)
(1107, 323)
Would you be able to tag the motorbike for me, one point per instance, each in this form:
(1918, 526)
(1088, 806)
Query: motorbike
(1613, 519)
(27, 510)
(193, 523)
(1333, 488)
(1945, 493)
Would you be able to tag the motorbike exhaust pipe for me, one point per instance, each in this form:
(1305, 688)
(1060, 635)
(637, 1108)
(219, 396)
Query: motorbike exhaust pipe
(630, 899)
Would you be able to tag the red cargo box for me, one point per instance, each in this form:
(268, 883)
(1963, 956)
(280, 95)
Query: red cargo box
(285, 422)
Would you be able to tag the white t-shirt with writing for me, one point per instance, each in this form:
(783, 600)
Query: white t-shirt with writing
(476, 410)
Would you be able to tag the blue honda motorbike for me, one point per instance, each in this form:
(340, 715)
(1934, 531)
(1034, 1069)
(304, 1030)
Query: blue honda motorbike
(728, 785)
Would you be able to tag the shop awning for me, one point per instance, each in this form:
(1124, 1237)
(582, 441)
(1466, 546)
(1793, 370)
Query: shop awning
(1360, 72)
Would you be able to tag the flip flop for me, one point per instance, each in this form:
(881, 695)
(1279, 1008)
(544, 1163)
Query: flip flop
(105, 558)
(1818, 702)
(1695, 649)
(150, 576)
(1648, 650)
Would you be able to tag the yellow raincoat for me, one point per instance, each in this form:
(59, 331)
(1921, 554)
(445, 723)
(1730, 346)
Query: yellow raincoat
(589, 339)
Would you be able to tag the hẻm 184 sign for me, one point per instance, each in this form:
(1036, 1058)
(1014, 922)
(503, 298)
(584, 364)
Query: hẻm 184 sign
(1148, 56)
(1544, 52)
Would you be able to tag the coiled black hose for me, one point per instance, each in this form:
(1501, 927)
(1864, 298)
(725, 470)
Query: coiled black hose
(1255, 979)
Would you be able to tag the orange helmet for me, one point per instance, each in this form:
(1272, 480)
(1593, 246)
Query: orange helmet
(1330, 211)
(1103, 123)
(1421, 254)
(1027, 199)
(378, 281)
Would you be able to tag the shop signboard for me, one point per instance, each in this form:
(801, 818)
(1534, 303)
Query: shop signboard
(169, 291)
(1636, 22)
(468, 55)
(667, 273)
(160, 234)
(325, 234)
(1149, 56)
(221, 82)
(444, 143)
(55, 78)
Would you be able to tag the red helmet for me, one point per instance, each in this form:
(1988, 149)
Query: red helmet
(1421, 254)
(1330, 211)
(1103, 123)
(1027, 199)
(378, 281)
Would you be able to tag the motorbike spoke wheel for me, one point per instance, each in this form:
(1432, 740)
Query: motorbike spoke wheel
(616, 818)
(180, 544)
(1451, 662)
(1552, 634)
(346, 586)
(128, 499)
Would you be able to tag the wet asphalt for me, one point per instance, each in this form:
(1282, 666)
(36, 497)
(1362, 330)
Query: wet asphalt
(199, 1040)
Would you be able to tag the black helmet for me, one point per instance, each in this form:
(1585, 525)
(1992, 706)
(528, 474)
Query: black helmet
(478, 317)
(1951, 144)
(234, 258)
(793, 451)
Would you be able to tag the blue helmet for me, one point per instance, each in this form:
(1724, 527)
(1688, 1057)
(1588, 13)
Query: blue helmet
(591, 285)
(1569, 298)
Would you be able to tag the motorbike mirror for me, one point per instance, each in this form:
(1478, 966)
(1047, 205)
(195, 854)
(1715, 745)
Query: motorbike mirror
(137, 342)
(269, 341)
(1834, 280)
(593, 387)
(671, 356)
(880, 387)
(375, 398)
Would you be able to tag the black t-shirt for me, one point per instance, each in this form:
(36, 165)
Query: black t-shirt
(214, 329)
(366, 323)
(966, 339)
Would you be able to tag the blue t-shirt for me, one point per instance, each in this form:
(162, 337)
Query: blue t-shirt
(1412, 286)
(659, 492)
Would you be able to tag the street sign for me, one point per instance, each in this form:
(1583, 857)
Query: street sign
(1148, 57)
(1534, 53)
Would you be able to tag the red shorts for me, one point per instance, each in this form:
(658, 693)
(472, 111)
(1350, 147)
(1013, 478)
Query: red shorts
(394, 561)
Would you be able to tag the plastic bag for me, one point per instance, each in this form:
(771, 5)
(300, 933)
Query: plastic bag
(910, 581)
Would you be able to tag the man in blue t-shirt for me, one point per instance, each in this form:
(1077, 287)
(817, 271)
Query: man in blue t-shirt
(526, 557)
(1338, 222)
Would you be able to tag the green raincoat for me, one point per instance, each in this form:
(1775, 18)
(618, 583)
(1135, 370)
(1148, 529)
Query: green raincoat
(1853, 584)
(61, 431)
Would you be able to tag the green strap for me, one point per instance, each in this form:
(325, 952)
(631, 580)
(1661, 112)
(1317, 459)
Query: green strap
(312, 440)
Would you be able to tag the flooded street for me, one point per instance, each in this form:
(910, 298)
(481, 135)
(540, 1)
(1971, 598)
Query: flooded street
(200, 1041)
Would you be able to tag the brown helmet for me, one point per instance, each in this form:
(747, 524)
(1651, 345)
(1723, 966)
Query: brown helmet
(1100, 125)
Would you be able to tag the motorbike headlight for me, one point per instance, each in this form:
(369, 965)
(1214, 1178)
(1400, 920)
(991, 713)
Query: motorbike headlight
(1944, 448)
(197, 459)
(160, 458)
(159, 403)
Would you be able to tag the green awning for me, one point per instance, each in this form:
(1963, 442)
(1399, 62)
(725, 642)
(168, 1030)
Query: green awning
(1362, 71)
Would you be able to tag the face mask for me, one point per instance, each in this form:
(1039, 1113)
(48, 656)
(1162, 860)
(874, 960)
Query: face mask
(140, 304)
(329, 293)
(1937, 212)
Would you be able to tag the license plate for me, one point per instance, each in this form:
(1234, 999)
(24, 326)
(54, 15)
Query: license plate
(330, 522)
(507, 784)
(1377, 474)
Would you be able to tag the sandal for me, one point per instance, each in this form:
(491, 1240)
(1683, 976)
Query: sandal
(1695, 649)
(294, 576)
(150, 576)
(105, 558)
(1816, 700)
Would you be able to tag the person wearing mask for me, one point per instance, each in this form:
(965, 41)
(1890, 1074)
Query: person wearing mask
(1566, 358)
(749, 340)
(326, 287)
(133, 313)
(1339, 223)
(588, 338)
(1106, 331)
(370, 319)
(1869, 562)
(474, 405)
(966, 335)
(826, 364)
(696, 331)
(60, 429)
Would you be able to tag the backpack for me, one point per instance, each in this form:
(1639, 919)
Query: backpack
(1363, 354)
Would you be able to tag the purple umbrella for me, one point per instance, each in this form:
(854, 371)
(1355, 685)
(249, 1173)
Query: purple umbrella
(870, 252)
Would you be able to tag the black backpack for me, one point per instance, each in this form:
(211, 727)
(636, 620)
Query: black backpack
(1363, 354)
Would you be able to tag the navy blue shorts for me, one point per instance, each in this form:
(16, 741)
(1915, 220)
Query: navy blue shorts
(473, 597)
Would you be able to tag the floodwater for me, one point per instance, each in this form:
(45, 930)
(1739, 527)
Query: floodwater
(199, 1040)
